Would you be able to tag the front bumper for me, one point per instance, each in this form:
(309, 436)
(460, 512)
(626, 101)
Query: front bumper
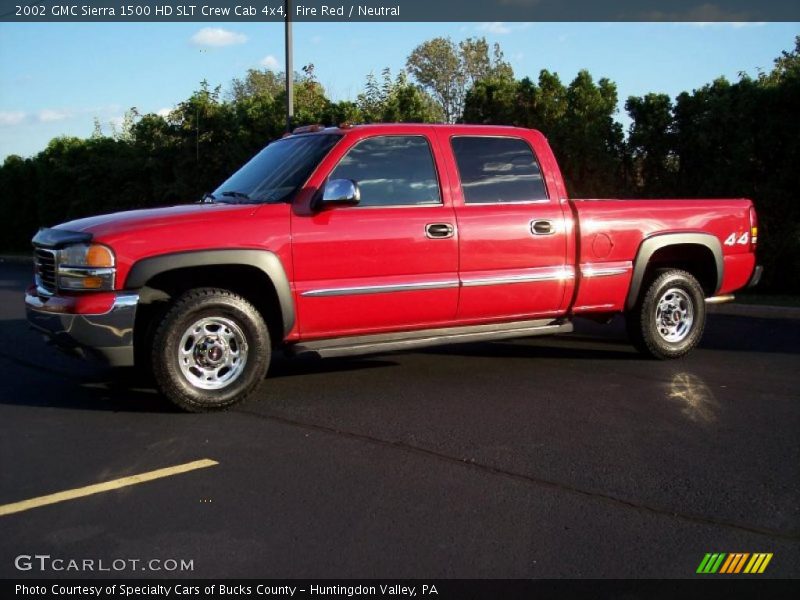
(107, 336)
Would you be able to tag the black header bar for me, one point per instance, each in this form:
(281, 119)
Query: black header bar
(400, 10)
(700, 587)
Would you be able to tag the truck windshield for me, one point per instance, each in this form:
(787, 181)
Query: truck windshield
(278, 171)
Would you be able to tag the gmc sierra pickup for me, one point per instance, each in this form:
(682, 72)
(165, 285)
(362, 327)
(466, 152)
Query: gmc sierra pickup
(373, 238)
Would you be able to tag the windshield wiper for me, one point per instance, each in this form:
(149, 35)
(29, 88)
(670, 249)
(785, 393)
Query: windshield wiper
(235, 194)
(269, 198)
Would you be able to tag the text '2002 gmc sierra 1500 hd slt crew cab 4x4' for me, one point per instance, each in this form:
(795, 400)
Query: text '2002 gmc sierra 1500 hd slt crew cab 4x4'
(371, 238)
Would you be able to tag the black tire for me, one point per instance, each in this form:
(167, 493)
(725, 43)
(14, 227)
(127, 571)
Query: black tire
(235, 320)
(664, 334)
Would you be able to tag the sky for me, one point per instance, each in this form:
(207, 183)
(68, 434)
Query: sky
(56, 78)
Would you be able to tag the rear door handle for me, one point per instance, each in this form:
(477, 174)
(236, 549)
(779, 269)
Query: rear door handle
(542, 227)
(439, 230)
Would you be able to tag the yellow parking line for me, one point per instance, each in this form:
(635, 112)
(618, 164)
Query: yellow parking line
(115, 484)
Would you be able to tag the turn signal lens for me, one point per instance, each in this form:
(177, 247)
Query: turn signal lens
(92, 283)
(99, 256)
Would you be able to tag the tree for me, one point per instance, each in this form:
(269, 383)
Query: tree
(257, 83)
(479, 65)
(447, 70)
(396, 101)
(437, 66)
(311, 103)
(19, 202)
(371, 101)
(408, 103)
(651, 144)
(125, 131)
(786, 69)
(550, 103)
(592, 141)
(492, 101)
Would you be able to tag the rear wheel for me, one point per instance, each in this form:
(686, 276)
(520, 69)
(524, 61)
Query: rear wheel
(668, 320)
(210, 350)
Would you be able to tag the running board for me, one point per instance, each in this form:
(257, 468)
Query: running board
(372, 344)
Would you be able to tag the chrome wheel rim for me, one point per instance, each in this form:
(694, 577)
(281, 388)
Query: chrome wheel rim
(674, 315)
(212, 353)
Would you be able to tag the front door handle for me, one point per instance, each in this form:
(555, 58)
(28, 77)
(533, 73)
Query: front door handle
(542, 227)
(439, 230)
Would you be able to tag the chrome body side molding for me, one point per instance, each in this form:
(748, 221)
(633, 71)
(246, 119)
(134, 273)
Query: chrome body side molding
(539, 274)
(560, 273)
(381, 289)
(599, 270)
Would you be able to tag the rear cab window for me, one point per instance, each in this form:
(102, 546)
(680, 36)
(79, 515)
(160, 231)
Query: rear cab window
(495, 170)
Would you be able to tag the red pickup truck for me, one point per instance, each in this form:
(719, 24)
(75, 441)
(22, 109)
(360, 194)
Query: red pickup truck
(372, 238)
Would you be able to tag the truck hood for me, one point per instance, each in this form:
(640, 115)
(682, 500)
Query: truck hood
(114, 224)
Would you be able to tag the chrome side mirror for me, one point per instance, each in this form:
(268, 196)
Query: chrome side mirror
(343, 192)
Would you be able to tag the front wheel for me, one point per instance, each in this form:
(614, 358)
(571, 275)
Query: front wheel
(668, 320)
(210, 351)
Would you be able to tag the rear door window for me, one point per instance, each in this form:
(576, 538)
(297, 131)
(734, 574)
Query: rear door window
(498, 170)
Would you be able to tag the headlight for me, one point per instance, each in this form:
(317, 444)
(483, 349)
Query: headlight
(86, 267)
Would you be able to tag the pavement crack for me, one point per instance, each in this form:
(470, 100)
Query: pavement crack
(533, 480)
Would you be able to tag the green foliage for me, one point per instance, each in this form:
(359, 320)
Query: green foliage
(578, 120)
(592, 139)
(257, 83)
(447, 70)
(724, 139)
(737, 139)
(437, 66)
(396, 101)
(651, 144)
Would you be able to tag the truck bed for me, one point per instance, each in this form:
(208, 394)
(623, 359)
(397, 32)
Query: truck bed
(610, 231)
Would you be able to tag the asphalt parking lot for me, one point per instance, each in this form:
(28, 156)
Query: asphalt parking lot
(550, 457)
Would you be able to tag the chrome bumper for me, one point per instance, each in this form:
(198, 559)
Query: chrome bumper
(107, 336)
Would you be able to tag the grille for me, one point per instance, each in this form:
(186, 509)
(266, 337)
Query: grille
(45, 261)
